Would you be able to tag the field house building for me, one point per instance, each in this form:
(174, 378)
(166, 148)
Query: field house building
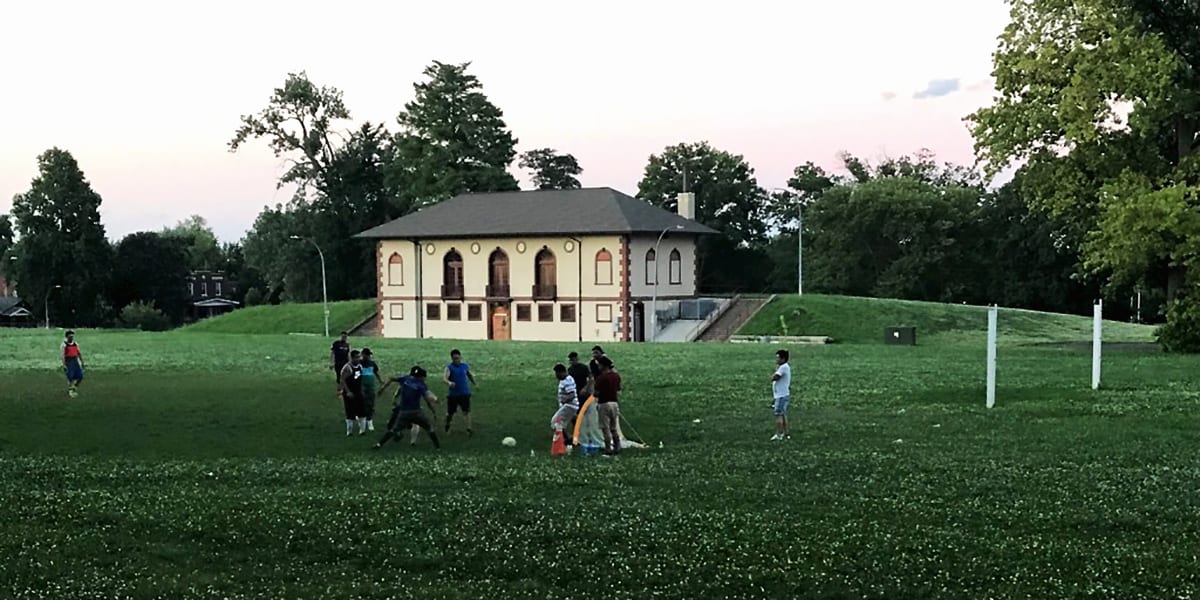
(548, 265)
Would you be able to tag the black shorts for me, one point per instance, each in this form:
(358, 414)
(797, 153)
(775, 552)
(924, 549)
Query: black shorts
(355, 407)
(337, 374)
(403, 420)
(454, 403)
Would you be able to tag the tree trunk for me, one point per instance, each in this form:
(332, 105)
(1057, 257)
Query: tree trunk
(1175, 280)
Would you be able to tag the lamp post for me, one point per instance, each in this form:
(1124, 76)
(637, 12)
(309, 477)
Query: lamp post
(654, 298)
(324, 292)
(46, 310)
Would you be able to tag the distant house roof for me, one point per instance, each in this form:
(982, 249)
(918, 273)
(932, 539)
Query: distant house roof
(215, 302)
(588, 211)
(11, 306)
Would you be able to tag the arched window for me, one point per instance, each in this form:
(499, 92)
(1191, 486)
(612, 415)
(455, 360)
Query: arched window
(396, 269)
(651, 267)
(676, 267)
(498, 275)
(604, 268)
(452, 275)
(546, 277)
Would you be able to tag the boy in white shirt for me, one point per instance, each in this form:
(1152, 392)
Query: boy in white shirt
(568, 401)
(781, 388)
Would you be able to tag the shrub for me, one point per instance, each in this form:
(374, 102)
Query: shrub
(1181, 333)
(143, 315)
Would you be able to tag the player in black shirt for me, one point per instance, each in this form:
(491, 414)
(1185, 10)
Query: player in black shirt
(339, 356)
(583, 386)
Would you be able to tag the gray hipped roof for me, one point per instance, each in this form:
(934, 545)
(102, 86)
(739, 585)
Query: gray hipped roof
(591, 211)
(10, 305)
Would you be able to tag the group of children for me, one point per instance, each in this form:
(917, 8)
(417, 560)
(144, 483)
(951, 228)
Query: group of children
(576, 383)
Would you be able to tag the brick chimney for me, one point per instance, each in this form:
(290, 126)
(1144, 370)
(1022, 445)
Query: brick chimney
(686, 205)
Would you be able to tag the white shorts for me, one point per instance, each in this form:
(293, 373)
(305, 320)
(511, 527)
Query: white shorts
(562, 416)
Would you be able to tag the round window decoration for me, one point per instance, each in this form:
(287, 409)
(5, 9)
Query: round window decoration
(569, 246)
(475, 248)
(521, 247)
(430, 249)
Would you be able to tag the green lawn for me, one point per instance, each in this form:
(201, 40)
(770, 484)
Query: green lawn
(862, 320)
(288, 318)
(204, 465)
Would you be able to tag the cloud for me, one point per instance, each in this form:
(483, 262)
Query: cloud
(938, 88)
(888, 96)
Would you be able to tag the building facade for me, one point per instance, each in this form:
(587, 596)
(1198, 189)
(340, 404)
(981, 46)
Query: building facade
(210, 293)
(452, 272)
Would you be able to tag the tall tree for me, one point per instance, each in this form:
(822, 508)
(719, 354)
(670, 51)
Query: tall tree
(728, 199)
(203, 251)
(552, 170)
(452, 140)
(299, 124)
(343, 190)
(1059, 93)
(62, 242)
(7, 242)
(152, 268)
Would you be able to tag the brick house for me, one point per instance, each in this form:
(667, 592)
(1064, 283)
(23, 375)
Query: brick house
(551, 265)
(210, 293)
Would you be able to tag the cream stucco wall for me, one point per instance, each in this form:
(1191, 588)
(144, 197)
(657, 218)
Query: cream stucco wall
(398, 295)
(640, 245)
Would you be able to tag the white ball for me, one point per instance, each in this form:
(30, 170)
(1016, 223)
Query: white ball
(510, 442)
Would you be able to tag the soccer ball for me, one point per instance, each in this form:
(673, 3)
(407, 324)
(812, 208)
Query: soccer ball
(510, 442)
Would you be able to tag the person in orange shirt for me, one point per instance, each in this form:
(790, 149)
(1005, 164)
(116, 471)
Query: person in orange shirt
(72, 360)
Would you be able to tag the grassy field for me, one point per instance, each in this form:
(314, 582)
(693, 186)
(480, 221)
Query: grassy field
(205, 465)
(288, 318)
(862, 320)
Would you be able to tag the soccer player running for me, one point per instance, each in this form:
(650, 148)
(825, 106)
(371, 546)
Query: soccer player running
(339, 356)
(370, 385)
(72, 361)
(351, 383)
(407, 410)
(568, 400)
(608, 387)
(583, 386)
(458, 377)
(781, 390)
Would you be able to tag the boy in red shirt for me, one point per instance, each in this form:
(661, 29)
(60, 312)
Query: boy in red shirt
(72, 360)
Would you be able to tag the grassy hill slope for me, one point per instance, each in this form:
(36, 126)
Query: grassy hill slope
(288, 318)
(862, 320)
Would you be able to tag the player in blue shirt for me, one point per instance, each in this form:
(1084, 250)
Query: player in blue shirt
(407, 410)
(458, 376)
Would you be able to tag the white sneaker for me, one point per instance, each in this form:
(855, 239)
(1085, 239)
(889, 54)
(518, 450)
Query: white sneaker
(370, 425)
(776, 438)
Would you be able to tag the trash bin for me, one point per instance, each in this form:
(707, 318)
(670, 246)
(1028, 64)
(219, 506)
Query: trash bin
(900, 336)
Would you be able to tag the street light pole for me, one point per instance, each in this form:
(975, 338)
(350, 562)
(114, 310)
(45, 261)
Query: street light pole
(324, 291)
(799, 248)
(654, 297)
(46, 309)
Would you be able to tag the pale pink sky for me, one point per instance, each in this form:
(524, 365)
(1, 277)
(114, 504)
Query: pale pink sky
(146, 95)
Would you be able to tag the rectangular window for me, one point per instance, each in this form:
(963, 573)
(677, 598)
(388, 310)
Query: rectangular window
(523, 312)
(566, 313)
(191, 288)
(545, 313)
(454, 312)
(204, 288)
(433, 312)
(218, 284)
(474, 312)
(396, 311)
(676, 270)
(604, 313)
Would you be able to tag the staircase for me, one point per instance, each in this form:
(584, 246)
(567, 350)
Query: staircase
(369, 327)
(741, 310)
